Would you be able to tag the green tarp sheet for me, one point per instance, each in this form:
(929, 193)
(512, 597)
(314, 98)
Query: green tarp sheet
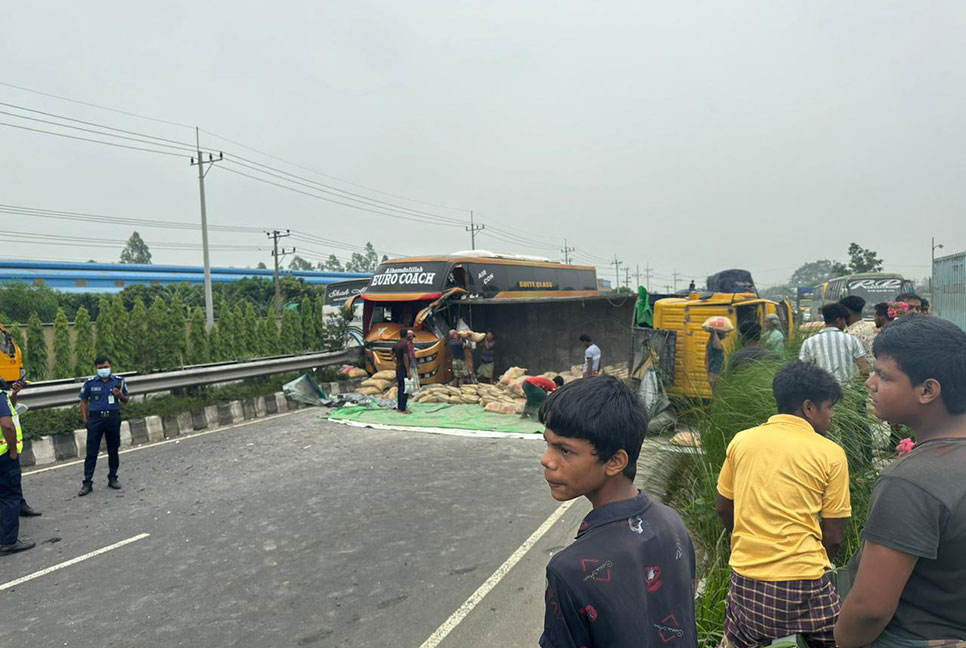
(440, 415)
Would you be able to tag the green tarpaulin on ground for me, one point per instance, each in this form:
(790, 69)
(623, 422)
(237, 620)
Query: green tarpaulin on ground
(440, 415)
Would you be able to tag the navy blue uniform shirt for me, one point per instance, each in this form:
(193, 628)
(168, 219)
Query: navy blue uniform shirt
(627, 580)
(4, 405)
(98, 394)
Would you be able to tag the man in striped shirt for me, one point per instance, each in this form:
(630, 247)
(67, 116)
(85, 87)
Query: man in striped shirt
(833, 349)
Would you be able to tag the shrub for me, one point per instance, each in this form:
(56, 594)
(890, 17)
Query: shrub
(199, 353)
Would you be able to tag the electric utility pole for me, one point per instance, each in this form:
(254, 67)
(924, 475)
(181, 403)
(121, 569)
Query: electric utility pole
(566, 251)
(277, 254)
(932, 266)
(202, 172)
(617, 273)
(473, 229)
(627, 277)
(647, 276)
(637, 274)
(676, 275)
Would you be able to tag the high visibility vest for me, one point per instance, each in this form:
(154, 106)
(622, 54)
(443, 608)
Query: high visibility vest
(16, 421)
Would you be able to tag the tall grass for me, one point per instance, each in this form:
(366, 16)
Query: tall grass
(744, 400)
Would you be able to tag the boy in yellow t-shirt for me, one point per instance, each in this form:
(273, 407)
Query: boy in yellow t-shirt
(783, 493)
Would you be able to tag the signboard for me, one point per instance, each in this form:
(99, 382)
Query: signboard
(337, 294)
(408, 277)
(885, 288)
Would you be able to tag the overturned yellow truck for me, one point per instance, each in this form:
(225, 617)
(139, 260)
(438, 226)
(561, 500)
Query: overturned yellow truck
(678, 344)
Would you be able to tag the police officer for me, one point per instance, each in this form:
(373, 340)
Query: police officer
(11, 494)
(101, 398)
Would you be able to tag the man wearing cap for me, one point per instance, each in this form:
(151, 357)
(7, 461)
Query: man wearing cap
(772, 338)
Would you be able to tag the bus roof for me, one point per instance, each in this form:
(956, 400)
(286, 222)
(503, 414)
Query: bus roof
(488, 257)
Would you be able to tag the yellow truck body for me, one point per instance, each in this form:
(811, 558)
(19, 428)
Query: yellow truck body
(684, 316)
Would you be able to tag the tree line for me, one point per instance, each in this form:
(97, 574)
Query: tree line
(167, 334)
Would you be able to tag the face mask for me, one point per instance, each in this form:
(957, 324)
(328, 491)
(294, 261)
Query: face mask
(104, 372)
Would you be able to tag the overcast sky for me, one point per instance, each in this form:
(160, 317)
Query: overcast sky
(691, 136)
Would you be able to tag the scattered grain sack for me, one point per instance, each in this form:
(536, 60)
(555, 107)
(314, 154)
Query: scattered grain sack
(369, 391)
(381, 385)
(356, 372)
(387, 374)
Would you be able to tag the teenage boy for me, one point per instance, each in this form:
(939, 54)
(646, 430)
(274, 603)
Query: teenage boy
(909, 590)
(783, 493)
(628, 578)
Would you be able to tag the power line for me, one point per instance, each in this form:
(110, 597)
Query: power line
(88, 139)
(93, 105)
(122, 220)
(337, 202)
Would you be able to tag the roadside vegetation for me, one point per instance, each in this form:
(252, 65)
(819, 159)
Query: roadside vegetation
(744, 400)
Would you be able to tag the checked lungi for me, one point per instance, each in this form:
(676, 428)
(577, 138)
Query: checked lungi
(758, 612)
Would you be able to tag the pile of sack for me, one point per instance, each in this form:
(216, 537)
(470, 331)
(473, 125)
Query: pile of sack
(505, 396)
(351, 371)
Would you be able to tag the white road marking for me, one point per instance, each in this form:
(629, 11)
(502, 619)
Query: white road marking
(454, 620)
(183, 437)
(486, 434)
(73, 561)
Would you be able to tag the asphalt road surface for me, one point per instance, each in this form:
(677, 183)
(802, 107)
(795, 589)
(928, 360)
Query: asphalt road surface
(291, 531)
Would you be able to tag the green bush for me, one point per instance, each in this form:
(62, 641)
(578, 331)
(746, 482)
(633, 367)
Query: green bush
(199, 352)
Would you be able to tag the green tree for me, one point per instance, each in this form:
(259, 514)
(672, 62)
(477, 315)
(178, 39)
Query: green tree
(367, 261)
(216, 344)
(136, 250)
(267, 336)
(239, 336)
(63, 351)
(160, 353)
(298, 263)
(124, 335)
(84, 352)
(18, 300)
(250, 331)
(142, 339)
(226, 332)
(291, 336)
(35, 363)
(177, 326)
(809, 274)
(310, 335)
(106, 342)
(200, 353)
(332, 263)
(17, 334)
(863, 260)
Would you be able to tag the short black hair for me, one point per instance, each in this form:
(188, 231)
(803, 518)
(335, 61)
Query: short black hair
(924, 303)
(101, 359)
(800, 381)
(602, 411)
(584, 338)
(882, 309)
(854, 303)
(907, 295)
(750, 331)
(928, 347)
(832, 312)
(558, 381)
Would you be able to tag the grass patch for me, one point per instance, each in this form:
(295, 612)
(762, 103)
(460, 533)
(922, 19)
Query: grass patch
(744, 400)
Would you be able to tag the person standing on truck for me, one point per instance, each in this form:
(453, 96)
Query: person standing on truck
(591, 356)
(101, 398)
(405, 367)
(457, 351)
(487, 358)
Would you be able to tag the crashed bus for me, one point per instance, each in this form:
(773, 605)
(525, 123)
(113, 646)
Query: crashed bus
(514, 296)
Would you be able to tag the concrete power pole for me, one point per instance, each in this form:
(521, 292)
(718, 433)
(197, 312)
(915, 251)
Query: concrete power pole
(932, 266)
(202, 172)
(627, 276)
(566, 251)
(676, 276)
(617, 272)
(473, 229)
(276, 254)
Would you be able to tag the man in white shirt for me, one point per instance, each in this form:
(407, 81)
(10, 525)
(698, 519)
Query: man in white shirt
(834, 350)
(863, 330)
(591, 356)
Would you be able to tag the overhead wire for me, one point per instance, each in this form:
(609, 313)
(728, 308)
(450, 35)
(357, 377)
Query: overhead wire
(88, 139)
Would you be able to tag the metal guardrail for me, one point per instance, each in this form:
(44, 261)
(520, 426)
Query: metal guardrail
(65, 393)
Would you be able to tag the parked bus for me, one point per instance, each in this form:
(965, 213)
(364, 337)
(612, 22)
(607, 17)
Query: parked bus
(432, 295)
(873, 287)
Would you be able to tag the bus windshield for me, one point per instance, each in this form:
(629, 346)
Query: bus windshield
(875, 290)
